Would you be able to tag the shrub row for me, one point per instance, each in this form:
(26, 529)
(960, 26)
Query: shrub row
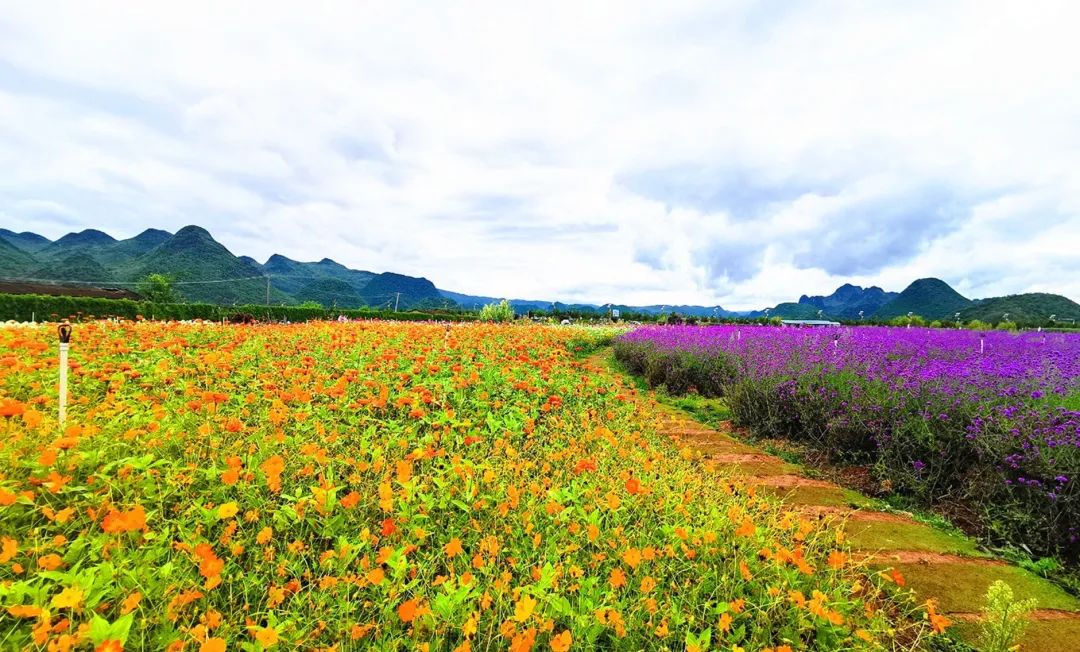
(28, 307)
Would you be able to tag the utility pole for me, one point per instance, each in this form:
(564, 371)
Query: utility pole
(267, 289)
(397, 299)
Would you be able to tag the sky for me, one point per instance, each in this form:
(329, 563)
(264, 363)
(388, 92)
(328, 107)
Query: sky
(713, 153)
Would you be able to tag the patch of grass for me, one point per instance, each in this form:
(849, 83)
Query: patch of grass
(959, 586)
(711, 411)
(905, 504)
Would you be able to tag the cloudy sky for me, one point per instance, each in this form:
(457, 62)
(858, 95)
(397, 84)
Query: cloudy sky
(739, 153)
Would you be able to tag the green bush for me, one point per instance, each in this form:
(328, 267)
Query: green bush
(1004, 618)
(501, 311)
(27, 307)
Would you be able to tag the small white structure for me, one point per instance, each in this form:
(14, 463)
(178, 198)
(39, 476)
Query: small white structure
(809, 322)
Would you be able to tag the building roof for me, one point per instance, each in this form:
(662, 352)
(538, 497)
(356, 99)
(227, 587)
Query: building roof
(809, 322)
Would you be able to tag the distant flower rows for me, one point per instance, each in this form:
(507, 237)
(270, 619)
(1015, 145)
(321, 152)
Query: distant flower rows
(992, 417)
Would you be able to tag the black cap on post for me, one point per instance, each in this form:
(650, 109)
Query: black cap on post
(64, 331)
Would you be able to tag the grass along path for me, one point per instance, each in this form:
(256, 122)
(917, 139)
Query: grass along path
(947, 567)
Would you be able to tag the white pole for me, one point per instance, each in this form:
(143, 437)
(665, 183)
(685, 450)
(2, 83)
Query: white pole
(63, 381)
(64, 331)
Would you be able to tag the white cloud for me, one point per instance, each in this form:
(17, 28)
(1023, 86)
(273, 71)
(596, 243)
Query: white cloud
(686, 152)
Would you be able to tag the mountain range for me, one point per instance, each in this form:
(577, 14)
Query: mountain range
(205, 270)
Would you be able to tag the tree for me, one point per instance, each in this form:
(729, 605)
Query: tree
(158, 288)
(311, 304)
(501, 311)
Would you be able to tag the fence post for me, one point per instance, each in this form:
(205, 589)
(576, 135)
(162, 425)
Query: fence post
(64, 331)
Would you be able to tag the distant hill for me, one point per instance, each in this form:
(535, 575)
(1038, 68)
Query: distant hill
(197, 262)
(295, 277)
(930, 298)
(13, 259)
(205, 270)
(26, 241)
(330, 293)
(78, 266)
(793, 310)
(1030, 308)
(849, 300)
(390, 289)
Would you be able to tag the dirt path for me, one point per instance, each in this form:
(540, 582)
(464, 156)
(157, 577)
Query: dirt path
(934, 564)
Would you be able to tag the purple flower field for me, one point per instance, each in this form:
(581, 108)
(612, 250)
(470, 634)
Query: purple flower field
(989, 419)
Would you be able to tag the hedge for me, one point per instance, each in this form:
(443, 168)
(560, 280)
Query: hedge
(29, 307)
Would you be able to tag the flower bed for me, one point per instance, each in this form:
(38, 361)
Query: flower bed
(989, 418)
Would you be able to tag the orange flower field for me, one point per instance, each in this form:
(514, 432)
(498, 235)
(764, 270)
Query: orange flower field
(399, 486)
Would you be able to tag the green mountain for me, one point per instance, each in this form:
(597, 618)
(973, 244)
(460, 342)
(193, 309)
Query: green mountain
(13, 259)
(83, 242)
(203, 270)
(1030, 308)
(26, 241)
(793, 310)
(849, 300)
(79, 267)
(124, 251)
(330, 293)
(294, 277)
(930, 298)
(390, 289)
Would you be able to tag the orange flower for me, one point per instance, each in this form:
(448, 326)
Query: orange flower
(264, 535)
(725, 623)
(130, 603)
(633, 486)
(24, 611)
(388, 527)
(111, 645)
(50, 562)
(351, 500)
(585, 465)
(407, 610)
(561, 642)
(617, 578)
(8, 549)
(938, 622)
(376, 575)
(230, 476)
(273, 468)
(116, 522)
(747, 529)
(453, 548)
(266, 636)
(213, 645)
(632, 557)
(11, 408)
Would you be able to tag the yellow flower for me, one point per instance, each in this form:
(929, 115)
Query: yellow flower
(228, 510)
(524, 608)
(69, 598)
